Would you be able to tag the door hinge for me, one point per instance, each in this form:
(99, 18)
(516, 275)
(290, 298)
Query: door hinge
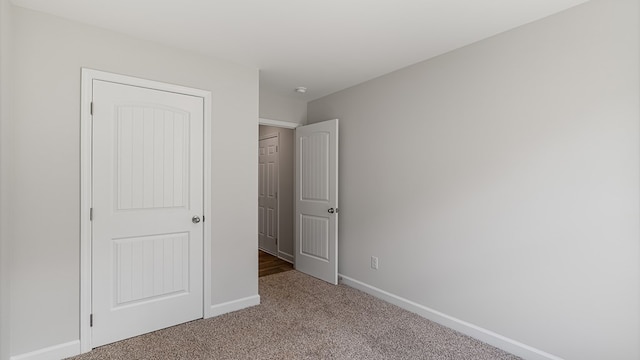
(276, 241)
(90, 214)
(276, 148)
(91, 108)
(91, 320)
(276, 194)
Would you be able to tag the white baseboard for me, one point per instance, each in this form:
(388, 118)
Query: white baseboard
(72, 348)
(286, 257)
(234, 305)
(268, 252)
(487, 336)
(55, 352)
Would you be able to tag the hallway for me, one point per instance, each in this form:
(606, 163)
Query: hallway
(269, 264)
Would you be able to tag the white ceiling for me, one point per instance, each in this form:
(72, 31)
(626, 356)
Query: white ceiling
(325, 45)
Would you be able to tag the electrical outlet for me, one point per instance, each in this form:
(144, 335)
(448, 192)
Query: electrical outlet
(374, 263)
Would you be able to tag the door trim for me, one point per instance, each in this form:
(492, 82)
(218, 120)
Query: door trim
(278, 123)
(88, 76)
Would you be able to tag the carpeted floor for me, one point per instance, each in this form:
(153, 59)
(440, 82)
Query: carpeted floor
(304, 318)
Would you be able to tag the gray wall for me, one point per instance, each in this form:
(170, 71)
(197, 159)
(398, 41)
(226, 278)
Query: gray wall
(277, 107)
(286, 190)
(5, 114)
(499, 183)
(44, 201)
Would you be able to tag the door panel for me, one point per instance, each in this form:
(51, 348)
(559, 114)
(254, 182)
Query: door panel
(147, 186)
(268, 194)
(317, 200)
(314, 163)
(151, 157)
(150, 267)
(314, 239)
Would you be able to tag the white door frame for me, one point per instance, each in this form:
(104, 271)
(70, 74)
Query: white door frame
(88, 76)
(278, 123)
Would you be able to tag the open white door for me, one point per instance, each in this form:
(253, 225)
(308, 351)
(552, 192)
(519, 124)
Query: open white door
(316, 224)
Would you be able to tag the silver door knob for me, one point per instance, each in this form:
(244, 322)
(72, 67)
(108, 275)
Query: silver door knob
(195, 219)
(331, 210)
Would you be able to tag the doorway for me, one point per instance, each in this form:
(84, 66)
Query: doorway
(276, 191)
(314, 242)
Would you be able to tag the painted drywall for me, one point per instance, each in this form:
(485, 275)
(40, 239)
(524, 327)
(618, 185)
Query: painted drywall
(499, 183)
(5, 139)
(49, 53)
(277, 107)
(286, 189)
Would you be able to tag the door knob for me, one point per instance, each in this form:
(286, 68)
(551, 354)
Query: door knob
(333, 211)
(195, 219)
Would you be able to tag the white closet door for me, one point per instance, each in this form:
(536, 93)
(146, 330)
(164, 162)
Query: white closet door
(147, 239)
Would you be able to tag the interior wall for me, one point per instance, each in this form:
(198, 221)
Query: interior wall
(277, 107)
(286, 189)
(5, 138)
(49, 54)
(499, 183)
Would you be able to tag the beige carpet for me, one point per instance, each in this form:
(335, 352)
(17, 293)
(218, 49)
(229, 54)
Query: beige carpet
(304, 318)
